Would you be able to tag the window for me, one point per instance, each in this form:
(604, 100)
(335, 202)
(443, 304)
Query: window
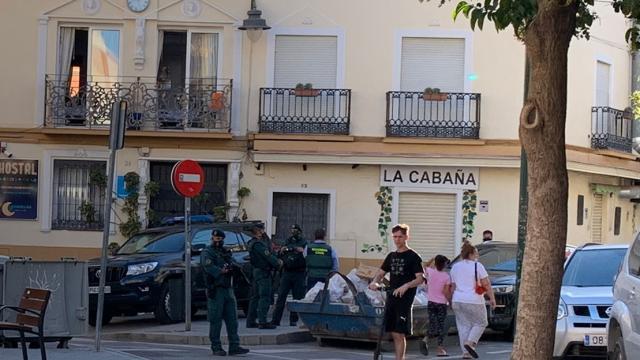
(603, 80)
(182, 65)
(616, 221)
(580, 210)
(634, 258)
(432, 62)
(152, 243)
(306, 59)
(590, 268)
(230, 239)
(78, 194)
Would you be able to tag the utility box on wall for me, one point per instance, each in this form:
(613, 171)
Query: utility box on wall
(67, 312)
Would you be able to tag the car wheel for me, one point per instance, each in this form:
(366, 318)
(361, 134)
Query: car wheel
(166, 311)
(106, 318)
(618, 349)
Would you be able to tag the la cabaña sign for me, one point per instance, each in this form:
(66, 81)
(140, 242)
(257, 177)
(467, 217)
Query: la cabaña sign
(430, 177)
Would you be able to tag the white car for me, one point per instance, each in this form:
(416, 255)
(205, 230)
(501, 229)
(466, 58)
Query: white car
(585, 300)
(623, 329)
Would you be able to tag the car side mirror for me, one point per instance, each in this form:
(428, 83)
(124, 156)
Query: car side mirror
(197, 248)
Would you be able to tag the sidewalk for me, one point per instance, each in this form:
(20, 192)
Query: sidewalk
(148, 330)
(75, 353)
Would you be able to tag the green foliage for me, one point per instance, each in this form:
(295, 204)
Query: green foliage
(469, 202)
(635, 104)
(220, 212)
(299, 86)
(98, 177)
(151, 189)
(384, 198)
(88, 211)
(308, 86)
(244, 192)
(130, 207)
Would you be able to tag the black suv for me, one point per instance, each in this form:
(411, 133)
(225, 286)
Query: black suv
(499, 258)
(146, 274)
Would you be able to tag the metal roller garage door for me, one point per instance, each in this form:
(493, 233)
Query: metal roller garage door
(432, 218)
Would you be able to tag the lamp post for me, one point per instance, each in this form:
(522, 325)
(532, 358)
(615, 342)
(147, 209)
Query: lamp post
(254, 25)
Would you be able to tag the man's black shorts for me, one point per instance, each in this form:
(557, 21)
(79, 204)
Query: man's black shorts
(398, 314)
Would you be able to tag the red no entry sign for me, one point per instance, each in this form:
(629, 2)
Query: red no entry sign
(187, 178)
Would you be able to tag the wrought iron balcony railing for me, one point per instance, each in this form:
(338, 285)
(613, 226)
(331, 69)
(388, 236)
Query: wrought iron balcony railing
(611, 129)
(203, 104)
(443, 115)
(308, 111)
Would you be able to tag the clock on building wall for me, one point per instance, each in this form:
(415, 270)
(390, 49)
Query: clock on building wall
(138, 5)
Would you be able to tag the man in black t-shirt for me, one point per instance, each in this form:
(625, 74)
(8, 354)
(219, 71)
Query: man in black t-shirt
(405, 267)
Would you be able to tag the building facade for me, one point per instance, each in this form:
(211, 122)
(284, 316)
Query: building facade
(348, 116)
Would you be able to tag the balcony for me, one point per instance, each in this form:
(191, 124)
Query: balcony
(309, 111)
(441, 116)
(202, 105)
(611, 129)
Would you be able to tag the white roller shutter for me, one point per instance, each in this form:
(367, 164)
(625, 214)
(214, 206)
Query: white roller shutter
(432, 62)
(596, 219)
(602, 83)
(306, 59)
(432, 218)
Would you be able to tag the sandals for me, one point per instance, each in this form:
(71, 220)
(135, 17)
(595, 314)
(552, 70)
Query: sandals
(471, 350)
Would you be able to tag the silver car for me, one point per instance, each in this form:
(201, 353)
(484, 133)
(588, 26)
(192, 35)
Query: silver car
(585, 300)
(623, 329)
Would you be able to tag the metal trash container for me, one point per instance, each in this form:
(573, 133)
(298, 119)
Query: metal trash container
(67, 312)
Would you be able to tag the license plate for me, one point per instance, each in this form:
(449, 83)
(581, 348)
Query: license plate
(95, 289)
(595, 340)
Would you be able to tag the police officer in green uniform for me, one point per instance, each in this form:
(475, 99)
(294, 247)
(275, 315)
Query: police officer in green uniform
(217, 263)
(293, 274)
(321, 259)
(264, 262)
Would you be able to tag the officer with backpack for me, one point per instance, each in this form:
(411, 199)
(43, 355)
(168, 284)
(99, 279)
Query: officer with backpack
(293, 274)
(321, 259)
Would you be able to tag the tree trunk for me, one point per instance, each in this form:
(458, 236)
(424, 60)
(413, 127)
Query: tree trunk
(542, 133)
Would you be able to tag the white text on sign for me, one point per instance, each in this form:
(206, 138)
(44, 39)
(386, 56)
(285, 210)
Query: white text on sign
(190, 178)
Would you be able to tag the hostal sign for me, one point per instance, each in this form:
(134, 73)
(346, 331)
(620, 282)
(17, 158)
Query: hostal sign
(430, 177)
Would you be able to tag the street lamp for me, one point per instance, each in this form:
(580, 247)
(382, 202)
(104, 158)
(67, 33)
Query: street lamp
(254, 24)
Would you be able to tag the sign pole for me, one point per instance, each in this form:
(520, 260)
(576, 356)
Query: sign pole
(116, 141)
(187, 263)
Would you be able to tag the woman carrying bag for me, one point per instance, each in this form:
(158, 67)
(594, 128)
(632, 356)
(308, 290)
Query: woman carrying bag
(469, 283)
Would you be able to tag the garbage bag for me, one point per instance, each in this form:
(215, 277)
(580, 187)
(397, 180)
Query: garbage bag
(311, 294)
(421, 297)
(375, 297)
(360, 283)
(337, 288)
(348, 298)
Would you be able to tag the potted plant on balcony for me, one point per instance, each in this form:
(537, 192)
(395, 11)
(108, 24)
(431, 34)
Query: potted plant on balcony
(434, 94)
(306, 90)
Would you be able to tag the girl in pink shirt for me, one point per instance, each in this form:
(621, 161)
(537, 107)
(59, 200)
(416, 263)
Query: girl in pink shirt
(439, 294)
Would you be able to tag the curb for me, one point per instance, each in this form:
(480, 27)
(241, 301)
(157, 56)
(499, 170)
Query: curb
(184, 339)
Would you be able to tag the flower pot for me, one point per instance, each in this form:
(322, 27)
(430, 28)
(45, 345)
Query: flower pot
(306, 92)
(217, 101)
(435, 96)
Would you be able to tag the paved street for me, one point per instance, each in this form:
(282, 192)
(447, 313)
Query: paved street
(83, 349)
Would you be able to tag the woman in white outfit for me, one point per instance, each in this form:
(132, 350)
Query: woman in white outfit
(468, 278)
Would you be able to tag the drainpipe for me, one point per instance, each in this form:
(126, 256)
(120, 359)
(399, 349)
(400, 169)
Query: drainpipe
(635, 86)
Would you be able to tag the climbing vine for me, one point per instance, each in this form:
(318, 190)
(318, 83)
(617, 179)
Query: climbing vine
(151, 190)
(385, 198)
(469, 200)
(130, 207)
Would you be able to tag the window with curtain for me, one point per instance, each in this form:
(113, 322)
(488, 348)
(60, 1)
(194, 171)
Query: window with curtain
(203, 62)
(78, 194)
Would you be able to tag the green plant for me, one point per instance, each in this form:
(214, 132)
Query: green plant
(130, 207)
(308, 86)
(88, 211)
(243, 192)
(97, 177)
(469, 202)
(428, 90)
(384, 197)
(299, 86)
(436, 90)
(151, 189)
(220, 212)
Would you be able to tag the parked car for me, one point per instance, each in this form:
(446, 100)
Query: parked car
(623, 329)
(146, 274)
(585, 300)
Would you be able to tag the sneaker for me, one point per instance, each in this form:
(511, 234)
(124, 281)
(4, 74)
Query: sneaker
(266, 326)
(219, 352)
(424, 347)
(238, 351)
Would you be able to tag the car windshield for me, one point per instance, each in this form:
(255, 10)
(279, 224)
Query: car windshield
(509, 265)
(153, 243)
(588, 268)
